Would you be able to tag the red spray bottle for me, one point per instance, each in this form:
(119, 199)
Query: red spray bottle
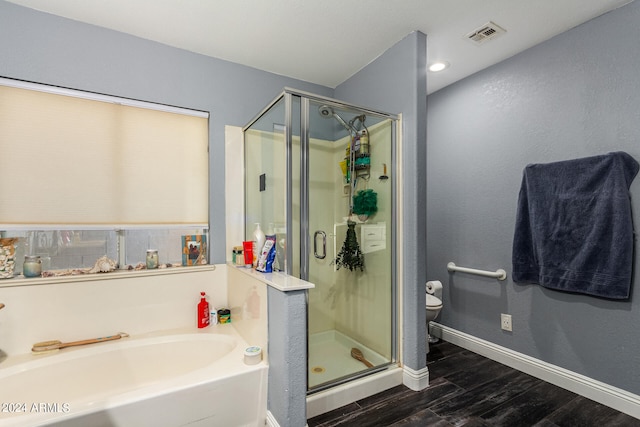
(203, 311)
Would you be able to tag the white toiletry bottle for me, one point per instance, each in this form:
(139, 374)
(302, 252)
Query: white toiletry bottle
(258, 244)
(213, 315)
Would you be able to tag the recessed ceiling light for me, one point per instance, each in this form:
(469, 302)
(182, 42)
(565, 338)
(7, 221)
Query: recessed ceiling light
(438, 66)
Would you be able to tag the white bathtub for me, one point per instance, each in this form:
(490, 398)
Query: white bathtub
(162, 379)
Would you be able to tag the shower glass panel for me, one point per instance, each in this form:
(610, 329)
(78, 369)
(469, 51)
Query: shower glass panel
(265, 177)
(326, 165)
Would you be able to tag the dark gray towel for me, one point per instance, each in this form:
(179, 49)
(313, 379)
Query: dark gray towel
(574, 230)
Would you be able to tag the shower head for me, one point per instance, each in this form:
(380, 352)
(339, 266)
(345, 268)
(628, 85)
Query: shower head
(326, 112)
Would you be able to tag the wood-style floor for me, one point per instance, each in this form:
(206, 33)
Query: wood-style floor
(466, 389)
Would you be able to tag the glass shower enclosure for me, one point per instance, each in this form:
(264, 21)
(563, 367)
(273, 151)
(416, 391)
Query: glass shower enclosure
(319, 177)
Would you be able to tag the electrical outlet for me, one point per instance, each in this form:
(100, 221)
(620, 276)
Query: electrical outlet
(505, 322)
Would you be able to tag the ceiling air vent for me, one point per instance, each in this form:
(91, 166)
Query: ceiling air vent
(485, 33)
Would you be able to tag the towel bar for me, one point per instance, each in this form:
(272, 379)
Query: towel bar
(499, 274)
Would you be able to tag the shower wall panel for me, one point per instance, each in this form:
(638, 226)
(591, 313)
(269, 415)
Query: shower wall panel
(363, 299)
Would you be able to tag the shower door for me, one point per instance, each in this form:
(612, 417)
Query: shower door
(351, 308)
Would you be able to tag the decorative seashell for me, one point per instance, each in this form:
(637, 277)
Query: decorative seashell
(103, 265)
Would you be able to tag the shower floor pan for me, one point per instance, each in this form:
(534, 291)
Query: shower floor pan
(330, 357)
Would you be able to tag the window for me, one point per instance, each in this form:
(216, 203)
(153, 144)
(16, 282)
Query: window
(91, 175)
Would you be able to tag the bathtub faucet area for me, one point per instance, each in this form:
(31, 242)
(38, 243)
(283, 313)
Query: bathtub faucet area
(1, 306)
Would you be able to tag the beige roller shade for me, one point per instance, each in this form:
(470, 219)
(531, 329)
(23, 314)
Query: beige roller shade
(69, 160)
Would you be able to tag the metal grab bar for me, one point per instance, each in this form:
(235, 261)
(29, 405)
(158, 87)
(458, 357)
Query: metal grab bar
(499, 274)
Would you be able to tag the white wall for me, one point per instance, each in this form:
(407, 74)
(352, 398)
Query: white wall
(77, 309)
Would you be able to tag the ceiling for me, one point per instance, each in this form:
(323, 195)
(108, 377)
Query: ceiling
(328, 41)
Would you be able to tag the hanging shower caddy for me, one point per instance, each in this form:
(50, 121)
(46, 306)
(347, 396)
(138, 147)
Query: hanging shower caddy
(357, 156)
(358, 164)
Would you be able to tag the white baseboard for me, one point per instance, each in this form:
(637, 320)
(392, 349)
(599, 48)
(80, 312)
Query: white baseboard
(271, 420)
(605, 394)
(415, 380)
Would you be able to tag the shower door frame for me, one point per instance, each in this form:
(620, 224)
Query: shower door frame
(305, 253)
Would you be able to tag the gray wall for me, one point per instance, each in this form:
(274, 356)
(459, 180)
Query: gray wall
(288, 357)
(396, 83)
(43, 48)
(575, 95)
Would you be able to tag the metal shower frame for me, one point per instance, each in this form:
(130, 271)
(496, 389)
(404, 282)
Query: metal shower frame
(305, 97)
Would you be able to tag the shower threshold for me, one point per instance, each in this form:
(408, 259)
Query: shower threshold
(330, 358)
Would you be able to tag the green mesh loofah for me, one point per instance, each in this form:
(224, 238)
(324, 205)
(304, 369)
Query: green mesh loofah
(365, 202)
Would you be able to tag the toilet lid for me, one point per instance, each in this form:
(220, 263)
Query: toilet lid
(433, 301)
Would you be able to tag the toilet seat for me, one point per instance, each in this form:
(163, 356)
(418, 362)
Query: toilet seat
(433, 302)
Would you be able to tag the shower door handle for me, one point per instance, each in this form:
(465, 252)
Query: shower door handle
(324, 244)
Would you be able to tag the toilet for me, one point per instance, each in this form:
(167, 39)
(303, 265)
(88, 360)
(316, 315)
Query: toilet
(433, 306)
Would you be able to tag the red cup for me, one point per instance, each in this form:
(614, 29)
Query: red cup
(248, 253)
